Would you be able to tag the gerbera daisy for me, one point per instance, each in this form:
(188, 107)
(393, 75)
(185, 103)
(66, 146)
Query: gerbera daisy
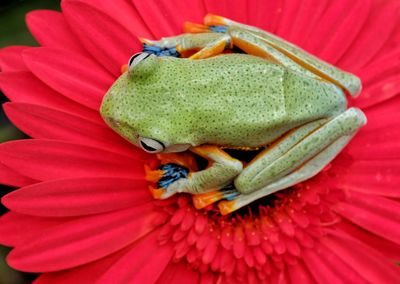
(84, 214)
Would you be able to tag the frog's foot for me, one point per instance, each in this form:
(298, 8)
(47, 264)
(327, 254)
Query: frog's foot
(172, 179)
(204, 199)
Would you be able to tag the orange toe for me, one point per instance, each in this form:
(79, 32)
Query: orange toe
(226, 207)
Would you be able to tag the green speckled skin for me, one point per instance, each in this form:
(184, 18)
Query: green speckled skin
(229, 100)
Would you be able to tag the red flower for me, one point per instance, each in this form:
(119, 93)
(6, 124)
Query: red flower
(84, 213)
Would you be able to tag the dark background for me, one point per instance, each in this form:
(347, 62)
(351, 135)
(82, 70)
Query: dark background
(13, 31)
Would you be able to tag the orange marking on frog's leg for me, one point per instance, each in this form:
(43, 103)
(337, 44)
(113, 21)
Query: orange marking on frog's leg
(185, 53)
(204, 199)
(157, 193)
(185, 159)
(213, 48)
(152, 175)
(209, 152)
(226, 207)
(252, 49)
(189, 27)
(145, 40)
(214, 20)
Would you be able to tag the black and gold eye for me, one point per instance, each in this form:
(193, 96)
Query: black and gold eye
(136, 59)
(150, 145)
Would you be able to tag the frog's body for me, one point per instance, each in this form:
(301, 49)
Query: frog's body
(231, 100)
(282, 97)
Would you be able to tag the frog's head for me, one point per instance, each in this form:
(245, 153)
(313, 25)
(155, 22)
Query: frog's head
(136, 106)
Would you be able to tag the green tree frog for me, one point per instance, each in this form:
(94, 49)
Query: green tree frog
(274, 95)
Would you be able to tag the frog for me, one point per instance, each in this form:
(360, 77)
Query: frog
(271, 95)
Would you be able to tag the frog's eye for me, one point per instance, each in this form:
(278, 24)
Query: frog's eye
(136, 59)
(151, 145)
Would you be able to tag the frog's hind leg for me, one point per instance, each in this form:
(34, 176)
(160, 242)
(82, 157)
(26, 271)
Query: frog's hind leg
(261, 43)
(295, 158)
(198, 46)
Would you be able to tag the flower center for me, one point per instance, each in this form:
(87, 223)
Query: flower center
(255, 241)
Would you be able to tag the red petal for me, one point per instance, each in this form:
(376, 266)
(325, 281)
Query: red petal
(236, 10)
(160, 17)
(13, 178)
(239, 246)
(373, 35)
(124, 13)
(179, 273)
(107, 40)
(71, 74)
(344, 32)
(373, 177)
(210, 252)
(386, 247)
(373, 213)
(50, 29)
(11, 59)
(362, 258)
(377, 144)
(17, 229)
(150, 261)
(166, 18)
(85, 274)
(391, 45)
(298, 19)
(24, 87)
(83, 240)
(386, 113)
(47, 123)
(386, 66)
(326, 266)
(78, 196)
(379, 91)
(49, 159)
(300, 274)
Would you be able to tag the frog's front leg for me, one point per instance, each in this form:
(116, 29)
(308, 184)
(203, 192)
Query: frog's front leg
(298, 156)
(221, 172)
(205, 44)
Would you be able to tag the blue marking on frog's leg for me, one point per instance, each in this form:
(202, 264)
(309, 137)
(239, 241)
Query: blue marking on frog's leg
(218, 29)
(229, 192)
(160, 51)
(171, 173)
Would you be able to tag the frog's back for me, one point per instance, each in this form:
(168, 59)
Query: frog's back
(235, 100)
